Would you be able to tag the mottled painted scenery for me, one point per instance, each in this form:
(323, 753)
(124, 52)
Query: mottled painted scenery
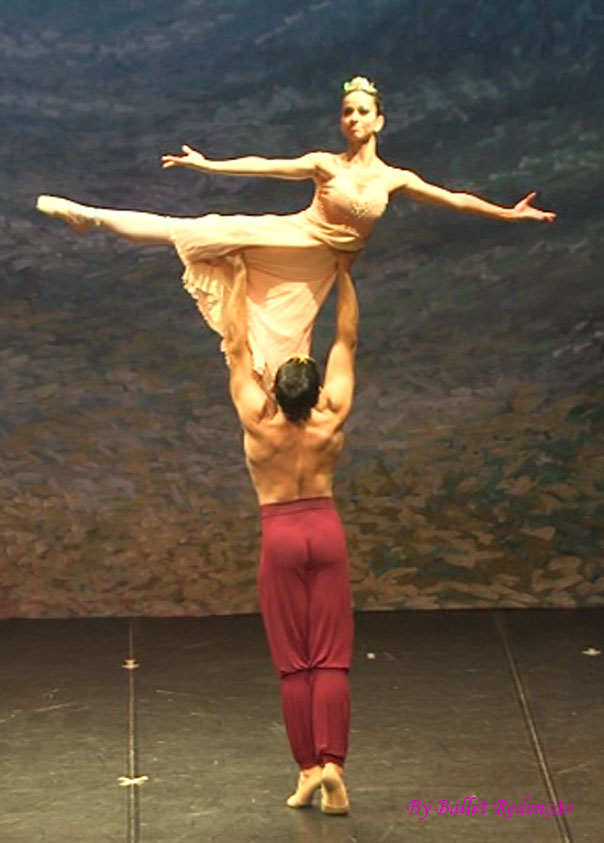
(474, 470)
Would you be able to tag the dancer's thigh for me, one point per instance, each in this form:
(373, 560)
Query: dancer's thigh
(330, 612)
(284, 596)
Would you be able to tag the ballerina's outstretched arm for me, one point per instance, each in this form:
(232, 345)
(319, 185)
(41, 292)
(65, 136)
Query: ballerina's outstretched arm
(410, 184)
(153, 229)
(313, 165)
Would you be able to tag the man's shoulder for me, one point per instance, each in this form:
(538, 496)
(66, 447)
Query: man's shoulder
(254, 411)
(275, 428)
(325, 424)
(330, 416)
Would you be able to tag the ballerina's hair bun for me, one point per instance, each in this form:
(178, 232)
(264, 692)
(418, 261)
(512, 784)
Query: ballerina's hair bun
(361, 83)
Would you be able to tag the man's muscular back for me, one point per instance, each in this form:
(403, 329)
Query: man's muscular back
(287, 460)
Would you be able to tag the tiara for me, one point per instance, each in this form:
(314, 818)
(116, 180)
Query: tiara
(360, 83)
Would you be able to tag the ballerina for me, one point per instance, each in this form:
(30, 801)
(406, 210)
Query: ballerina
(291, 258)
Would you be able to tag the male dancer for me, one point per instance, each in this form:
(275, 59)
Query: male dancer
(292, 442)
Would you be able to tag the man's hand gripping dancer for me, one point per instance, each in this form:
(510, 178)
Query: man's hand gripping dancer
(292, 442)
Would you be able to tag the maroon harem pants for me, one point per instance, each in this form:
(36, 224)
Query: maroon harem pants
(305, 603)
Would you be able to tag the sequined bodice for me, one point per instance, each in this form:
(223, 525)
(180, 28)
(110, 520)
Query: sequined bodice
(340, 202)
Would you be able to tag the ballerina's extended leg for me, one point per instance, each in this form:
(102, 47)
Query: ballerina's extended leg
(136, 226)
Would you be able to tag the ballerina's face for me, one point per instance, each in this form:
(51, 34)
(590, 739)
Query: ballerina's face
(360, 119)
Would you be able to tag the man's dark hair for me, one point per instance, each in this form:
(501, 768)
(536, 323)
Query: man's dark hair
(297, 385)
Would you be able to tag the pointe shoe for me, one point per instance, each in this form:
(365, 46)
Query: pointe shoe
(334, 799)
(307, 785)
(71, 212)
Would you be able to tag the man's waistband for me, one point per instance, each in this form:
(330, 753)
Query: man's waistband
(268, 510)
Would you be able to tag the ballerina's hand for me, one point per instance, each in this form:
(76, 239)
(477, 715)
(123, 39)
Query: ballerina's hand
(523, 210)
(189, 158)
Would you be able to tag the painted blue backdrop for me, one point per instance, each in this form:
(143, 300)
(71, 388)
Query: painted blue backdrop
(474, 469)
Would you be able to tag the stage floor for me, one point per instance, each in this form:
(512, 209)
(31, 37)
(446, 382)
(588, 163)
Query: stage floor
(500, 706)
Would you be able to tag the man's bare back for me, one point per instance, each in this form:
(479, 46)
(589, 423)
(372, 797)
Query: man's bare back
(287, 461)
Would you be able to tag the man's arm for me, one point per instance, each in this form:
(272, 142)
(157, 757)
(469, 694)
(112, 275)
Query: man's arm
(339, 374)
(248, 396)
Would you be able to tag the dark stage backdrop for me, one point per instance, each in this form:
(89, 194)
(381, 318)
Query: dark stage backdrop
(474, 470)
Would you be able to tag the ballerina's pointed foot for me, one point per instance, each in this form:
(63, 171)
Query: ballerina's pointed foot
(334, 798)
(308, 781)
(79, 217)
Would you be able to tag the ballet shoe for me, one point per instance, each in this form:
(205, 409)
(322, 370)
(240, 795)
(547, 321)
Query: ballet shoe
(334, 799)
(307, 784)
(71, 212)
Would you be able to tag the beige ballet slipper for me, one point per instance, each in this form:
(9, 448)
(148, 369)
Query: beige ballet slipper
(308, 781)
(334, 799)
(79, 217)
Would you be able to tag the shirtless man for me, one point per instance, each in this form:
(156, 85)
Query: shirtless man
(292, 443)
